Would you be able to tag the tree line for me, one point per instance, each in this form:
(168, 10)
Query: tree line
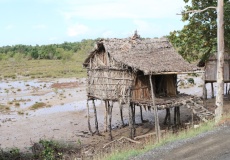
(51, 51)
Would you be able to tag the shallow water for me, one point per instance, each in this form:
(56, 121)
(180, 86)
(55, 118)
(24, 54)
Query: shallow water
(27, 93)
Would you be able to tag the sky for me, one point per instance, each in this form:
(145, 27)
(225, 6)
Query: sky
(32, 22)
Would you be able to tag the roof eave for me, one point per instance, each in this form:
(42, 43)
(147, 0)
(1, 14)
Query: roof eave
(162, 73)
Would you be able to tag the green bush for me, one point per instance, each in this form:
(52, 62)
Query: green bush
(191, 81)
(49, 150)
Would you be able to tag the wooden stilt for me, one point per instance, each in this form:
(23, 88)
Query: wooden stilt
(157, 125)
(106, 117)
(204, 91)
(133, 118)
(142, 120)
(166, 116)
(95, 116)
(175, 117)
(212, 90)
(131, 111)
(178, 116)
(110, 108)
(130, 121)
(167, 119)
(88, 117)
(121, 113)
(192, 116)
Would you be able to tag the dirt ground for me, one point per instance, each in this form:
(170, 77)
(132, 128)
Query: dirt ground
(65, 117)
(214, 145)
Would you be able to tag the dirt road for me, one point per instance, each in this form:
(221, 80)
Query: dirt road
(214, 145)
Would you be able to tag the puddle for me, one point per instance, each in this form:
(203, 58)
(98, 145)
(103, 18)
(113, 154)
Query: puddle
(67, 107)
(20, 95)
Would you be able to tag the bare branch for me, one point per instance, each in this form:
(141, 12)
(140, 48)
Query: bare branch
(197, 11)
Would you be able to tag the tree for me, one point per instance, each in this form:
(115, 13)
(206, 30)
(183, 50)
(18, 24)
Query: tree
(220, 46)
(198, 38)
(220, 61)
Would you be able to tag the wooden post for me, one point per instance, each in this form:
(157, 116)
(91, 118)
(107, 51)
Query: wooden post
(110, 108)
(133, 119)
(142, 120)
(106, 117)
(175, 116)
(95, 116)
(220, 60)
(178, 116)
(121, 114)
(204, 91)
(212, 90)
(130, 121)
(88, 117)
(192, 116)
(167, 119)
(131, 124)
(157, 126)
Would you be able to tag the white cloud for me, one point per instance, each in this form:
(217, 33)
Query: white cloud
(142, 25)
(77, 29)
(39, 26)
(53, 38)
(9, 27)
(149, 29)
(134, 9)
(108, 34)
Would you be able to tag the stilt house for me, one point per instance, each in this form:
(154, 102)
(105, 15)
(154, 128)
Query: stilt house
(136, 71)
(210, 67)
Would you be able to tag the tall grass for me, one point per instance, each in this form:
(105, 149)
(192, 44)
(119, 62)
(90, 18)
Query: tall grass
(43, 68)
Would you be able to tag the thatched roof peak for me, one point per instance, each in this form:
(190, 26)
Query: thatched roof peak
(152, 56)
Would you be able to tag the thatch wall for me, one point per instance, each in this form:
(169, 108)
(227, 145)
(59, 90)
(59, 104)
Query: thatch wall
(163, 85)
(108, 79)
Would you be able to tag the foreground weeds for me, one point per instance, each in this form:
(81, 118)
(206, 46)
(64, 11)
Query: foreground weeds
(132, 150)
(43, 150)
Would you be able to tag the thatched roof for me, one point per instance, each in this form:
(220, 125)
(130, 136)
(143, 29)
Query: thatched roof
(152, 56)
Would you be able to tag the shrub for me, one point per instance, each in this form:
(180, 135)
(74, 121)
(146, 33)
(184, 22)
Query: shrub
(37, 106)
(49, 150)
(191, 81)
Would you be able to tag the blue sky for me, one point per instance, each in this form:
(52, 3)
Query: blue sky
(32, 22)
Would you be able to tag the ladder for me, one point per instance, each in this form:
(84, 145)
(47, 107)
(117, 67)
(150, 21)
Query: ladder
(198, 109)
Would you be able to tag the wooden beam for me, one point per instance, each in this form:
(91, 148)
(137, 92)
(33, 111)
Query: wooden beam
(95, 116)
(157, 125)
(88, 117)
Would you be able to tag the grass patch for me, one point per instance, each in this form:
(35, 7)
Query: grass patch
(20, 112)
(37, 106)
(17, 104)
(43, 69)
(4, 108)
